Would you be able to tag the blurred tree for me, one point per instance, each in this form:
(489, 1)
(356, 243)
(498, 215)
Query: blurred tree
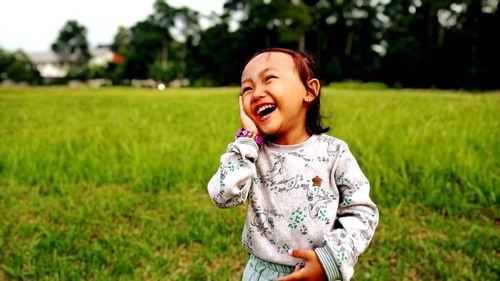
(410, 43)
(260, 19)
(115, 70)
(262, 24)
(146, 46)
(442, 43)
(72, 48)
(164, 18)
(5, 61)
(121, 41)
(218, 58)
(412, 40)
(187, 26)
(476, 40)
(342, 38)
(339, 34)
(18, 67)
(153, 50)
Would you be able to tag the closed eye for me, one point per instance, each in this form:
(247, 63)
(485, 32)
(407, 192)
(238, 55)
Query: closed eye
(269, 77)
(245, 90)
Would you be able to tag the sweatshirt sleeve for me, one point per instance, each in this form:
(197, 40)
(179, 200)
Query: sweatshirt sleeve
(357, 218)
(236, 174)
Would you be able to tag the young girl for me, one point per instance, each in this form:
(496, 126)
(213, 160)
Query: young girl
(309, 215)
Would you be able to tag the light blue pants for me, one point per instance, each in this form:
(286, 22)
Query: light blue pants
(261, 270)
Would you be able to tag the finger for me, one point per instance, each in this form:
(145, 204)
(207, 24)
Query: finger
(241, 103)
(243, 114)
(297, 268)
(301, 254)
(242, 107)
(292, 277)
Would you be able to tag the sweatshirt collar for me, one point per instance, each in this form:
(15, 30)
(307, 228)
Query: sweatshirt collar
(291, 147)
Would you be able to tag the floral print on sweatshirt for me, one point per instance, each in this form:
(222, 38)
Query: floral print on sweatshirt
(311, 195)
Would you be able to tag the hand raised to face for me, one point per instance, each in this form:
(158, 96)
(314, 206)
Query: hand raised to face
(246, 122)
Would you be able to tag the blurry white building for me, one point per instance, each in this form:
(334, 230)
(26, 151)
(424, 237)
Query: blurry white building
(50, 67)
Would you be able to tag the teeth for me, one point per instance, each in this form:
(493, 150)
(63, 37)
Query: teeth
(264, 108)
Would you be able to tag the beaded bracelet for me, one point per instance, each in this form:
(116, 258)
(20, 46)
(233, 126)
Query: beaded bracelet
(249, 134)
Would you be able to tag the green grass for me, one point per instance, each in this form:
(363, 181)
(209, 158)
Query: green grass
(109, 184)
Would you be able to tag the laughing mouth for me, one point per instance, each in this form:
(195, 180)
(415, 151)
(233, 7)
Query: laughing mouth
(265, 110)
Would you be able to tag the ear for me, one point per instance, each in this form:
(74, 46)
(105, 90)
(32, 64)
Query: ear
(314, 85)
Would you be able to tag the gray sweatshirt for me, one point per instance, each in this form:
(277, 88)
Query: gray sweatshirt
(311, 195)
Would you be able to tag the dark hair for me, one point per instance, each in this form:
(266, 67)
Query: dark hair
(306, 67)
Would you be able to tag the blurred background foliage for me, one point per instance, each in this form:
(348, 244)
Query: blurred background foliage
(404, 43)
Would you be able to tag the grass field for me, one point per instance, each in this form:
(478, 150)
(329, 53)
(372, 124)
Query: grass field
(110, 184)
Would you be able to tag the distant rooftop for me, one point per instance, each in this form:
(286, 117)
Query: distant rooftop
(48, 62)
(43, 57)
(51, 57)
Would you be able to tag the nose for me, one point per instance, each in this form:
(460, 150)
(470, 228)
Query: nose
(258, 93)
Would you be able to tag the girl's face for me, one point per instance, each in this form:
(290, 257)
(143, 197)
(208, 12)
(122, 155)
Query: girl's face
(275, 98)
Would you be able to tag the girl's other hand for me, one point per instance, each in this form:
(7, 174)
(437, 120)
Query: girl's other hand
(311, 271)
(246, 121)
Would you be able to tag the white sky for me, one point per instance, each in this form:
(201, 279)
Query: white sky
(33, 25)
